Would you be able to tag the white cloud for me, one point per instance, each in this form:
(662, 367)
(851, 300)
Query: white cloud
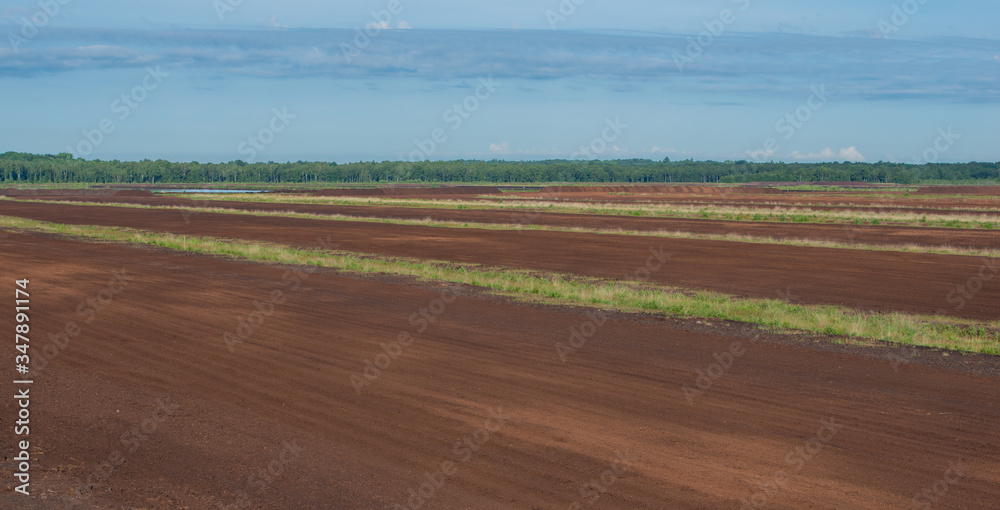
(665, 150)
(444, 55)
(102, 51)
(515, 26)
(828, 154)
(851, 154)
(272, 22)
(996, 57)
(502, 148)
(760, 155)
(384, 25)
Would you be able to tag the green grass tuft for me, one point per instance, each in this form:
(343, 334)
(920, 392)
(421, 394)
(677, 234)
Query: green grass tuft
(942, 332)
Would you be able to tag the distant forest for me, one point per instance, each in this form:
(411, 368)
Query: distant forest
(20, 168)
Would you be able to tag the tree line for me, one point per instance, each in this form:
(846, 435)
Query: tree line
(22, 168)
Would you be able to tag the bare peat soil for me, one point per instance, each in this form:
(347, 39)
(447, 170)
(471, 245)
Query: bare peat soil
(147, 401)
(877, 281)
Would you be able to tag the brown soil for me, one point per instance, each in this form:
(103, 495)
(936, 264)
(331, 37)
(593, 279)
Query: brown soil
(661, 189)
(859, 234)
(804, 199)
(408, 192)
(959, 190)
(45, 193)
(865, 280)
(882, 207)
(843, 184)
(900, 424)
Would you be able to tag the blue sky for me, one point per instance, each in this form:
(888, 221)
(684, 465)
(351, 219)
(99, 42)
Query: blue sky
(219, 80)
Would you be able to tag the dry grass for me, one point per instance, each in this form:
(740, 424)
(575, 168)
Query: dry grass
(942, 332)
(669, 234)
(986, 219)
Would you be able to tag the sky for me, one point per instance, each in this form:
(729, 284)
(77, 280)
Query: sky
(257, 80)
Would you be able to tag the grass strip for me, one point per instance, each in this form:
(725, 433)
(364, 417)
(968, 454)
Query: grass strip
(668, 234)
(551, 288)
(776, 213)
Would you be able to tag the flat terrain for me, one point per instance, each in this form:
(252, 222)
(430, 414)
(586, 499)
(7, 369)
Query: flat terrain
(895, 429)
(167, 380)
(859, 234)
(866, 280)
(744, 197)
